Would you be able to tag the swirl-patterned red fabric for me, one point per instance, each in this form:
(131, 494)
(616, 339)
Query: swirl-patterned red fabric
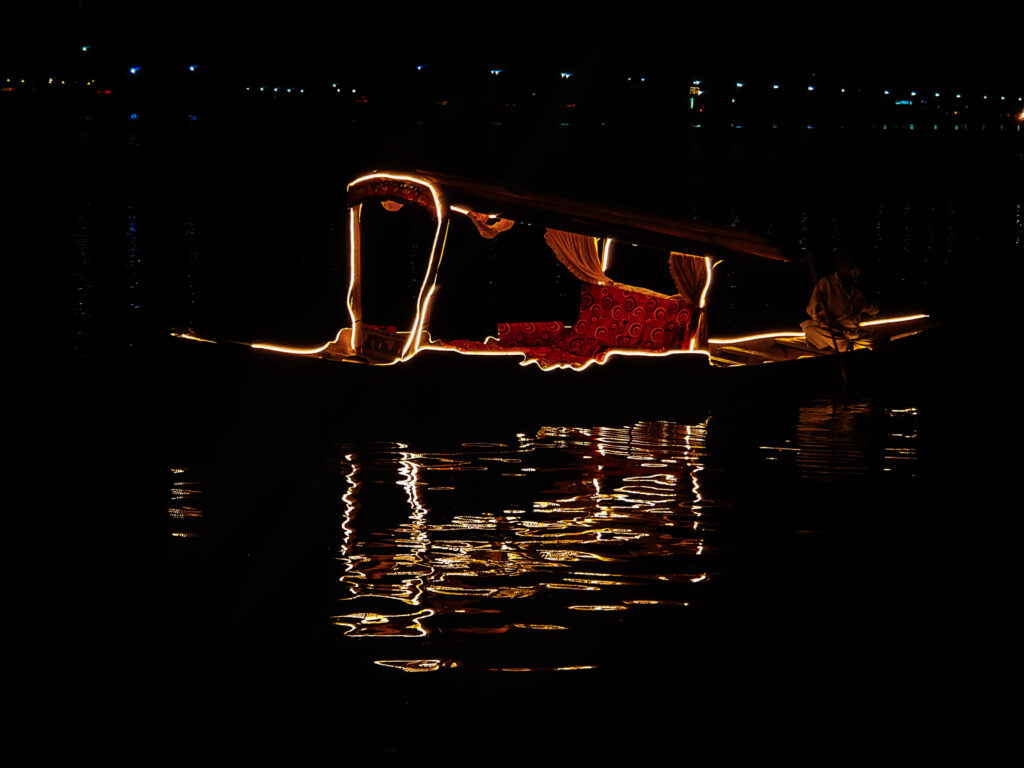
(617, 317)
(610, 317)
(530, 334)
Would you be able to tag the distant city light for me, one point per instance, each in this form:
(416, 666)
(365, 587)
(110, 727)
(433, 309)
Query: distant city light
(739, 85)
(495, 71)
(776, 87)
(85, 48)
(134, 70)
(193, 67)
(566, 75)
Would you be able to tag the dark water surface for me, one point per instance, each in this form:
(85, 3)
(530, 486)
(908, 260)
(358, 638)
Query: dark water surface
(803, 576)
(215, 566)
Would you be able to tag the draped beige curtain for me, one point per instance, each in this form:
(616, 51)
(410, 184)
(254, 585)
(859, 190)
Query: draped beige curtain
(580, 254)
(690, 274)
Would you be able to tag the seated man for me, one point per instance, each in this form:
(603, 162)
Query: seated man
(837, 308)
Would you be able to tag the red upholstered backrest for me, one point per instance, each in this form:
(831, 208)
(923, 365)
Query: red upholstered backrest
(617, 317)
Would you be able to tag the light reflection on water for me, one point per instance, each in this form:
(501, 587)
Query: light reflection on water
(184, 510)
(562, 522)
(561, 532)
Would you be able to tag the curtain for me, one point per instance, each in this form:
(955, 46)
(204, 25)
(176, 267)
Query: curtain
(489, 230)
(578, 253)
(690, 274)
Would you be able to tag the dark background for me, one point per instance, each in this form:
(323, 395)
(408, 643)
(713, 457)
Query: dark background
(240, 224)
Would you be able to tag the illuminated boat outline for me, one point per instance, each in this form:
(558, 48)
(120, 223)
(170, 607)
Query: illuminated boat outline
(444, 196)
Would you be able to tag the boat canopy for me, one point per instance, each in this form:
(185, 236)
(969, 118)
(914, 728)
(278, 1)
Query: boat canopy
(440, 193)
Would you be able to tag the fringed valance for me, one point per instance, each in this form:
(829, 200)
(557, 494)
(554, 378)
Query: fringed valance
(579, 254)
(488, 229)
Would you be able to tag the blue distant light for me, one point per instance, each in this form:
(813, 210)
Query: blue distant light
(193, 67)
(134, 70)
(133, 116)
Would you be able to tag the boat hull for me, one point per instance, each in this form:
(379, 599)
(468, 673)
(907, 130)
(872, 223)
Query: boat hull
(436, 389)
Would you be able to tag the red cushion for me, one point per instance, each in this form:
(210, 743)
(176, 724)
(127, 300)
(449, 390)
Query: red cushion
(530, 334)
(617, 317)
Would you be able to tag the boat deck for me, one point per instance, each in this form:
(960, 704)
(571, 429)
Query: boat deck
(780, 347)
(753, 351)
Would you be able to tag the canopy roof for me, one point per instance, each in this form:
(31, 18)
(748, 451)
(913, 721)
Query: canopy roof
(583, 218)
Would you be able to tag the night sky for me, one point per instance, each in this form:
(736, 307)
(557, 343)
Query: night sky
(863, 41)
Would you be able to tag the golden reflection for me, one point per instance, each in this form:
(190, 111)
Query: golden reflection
(830, 442)
(591, 510)
(183, 508)
(417, 665)
(381, 625)
(597, 608)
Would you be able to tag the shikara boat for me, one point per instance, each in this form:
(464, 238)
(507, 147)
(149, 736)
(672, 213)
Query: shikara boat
(462, 291)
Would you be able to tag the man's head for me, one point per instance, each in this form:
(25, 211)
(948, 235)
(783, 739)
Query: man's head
(846, 265)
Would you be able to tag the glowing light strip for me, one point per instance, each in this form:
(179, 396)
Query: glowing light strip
(424, 301)
(467, 211)
(568, 366)
(431, 273)
(191, 337)
(299, 350)
(903, 319)
(353, 225)
(707, 283)
(606, 255)
(708, 267)
(800, 334)
(770, 335)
